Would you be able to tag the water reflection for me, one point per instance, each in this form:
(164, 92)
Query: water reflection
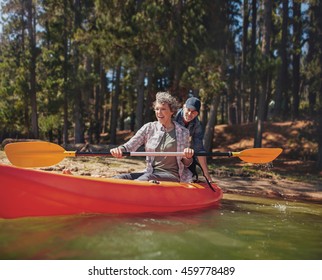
(241, 228)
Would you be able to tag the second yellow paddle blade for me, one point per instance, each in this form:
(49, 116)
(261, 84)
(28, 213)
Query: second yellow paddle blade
(34, 154)
(259, 155)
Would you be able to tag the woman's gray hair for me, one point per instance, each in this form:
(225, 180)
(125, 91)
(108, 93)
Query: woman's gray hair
(166, 97)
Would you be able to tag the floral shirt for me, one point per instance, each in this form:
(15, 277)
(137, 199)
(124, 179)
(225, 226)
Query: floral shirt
(195, 129)
(150, 136)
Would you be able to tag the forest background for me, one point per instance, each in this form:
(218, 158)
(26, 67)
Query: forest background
(83, 70)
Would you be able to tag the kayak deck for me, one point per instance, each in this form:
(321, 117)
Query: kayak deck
(26, 193)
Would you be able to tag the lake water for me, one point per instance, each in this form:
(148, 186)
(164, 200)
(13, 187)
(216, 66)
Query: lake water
(240, 228)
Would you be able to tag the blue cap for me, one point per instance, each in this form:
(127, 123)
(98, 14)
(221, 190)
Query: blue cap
(193, 103)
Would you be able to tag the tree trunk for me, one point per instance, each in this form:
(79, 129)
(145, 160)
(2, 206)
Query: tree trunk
(281, 97)
(148, 116)
(177, 48)
(252, 63)
(115, 105)
(297, 27)
(210, 127)
(65, 76)
(319, 133)
(311, 57)
(78, 118)
(31, 24)
(78, 102)
(263, 93)
(241, 95)
(318, 17)
(97, 98)
(140, 98)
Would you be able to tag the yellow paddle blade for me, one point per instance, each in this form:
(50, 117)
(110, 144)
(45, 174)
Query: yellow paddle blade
(34, 154)
(258, 155)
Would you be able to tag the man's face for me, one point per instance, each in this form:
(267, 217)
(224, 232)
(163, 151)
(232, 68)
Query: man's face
(189, 114)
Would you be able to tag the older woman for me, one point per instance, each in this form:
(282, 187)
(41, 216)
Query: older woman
(164, 135)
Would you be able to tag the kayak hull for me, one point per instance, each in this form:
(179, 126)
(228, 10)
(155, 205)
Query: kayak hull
(28, 193)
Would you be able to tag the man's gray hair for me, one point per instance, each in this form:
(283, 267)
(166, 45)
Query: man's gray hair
(166, 97)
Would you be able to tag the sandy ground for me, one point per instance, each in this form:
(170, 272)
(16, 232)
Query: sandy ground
(269, 185)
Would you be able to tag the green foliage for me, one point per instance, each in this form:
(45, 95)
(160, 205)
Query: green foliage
(193, 45)
(205, 75)
(49, 123)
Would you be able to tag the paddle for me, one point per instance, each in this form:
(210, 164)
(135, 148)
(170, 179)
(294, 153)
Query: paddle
(41, 154)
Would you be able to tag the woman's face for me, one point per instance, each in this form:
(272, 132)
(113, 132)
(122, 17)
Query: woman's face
(163, 113)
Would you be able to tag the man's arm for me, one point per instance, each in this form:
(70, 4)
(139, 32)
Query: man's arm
(198, 146)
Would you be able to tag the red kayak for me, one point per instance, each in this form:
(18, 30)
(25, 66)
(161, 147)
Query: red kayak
(27, 192)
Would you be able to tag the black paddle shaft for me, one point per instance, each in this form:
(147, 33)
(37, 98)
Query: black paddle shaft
(205, 154)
